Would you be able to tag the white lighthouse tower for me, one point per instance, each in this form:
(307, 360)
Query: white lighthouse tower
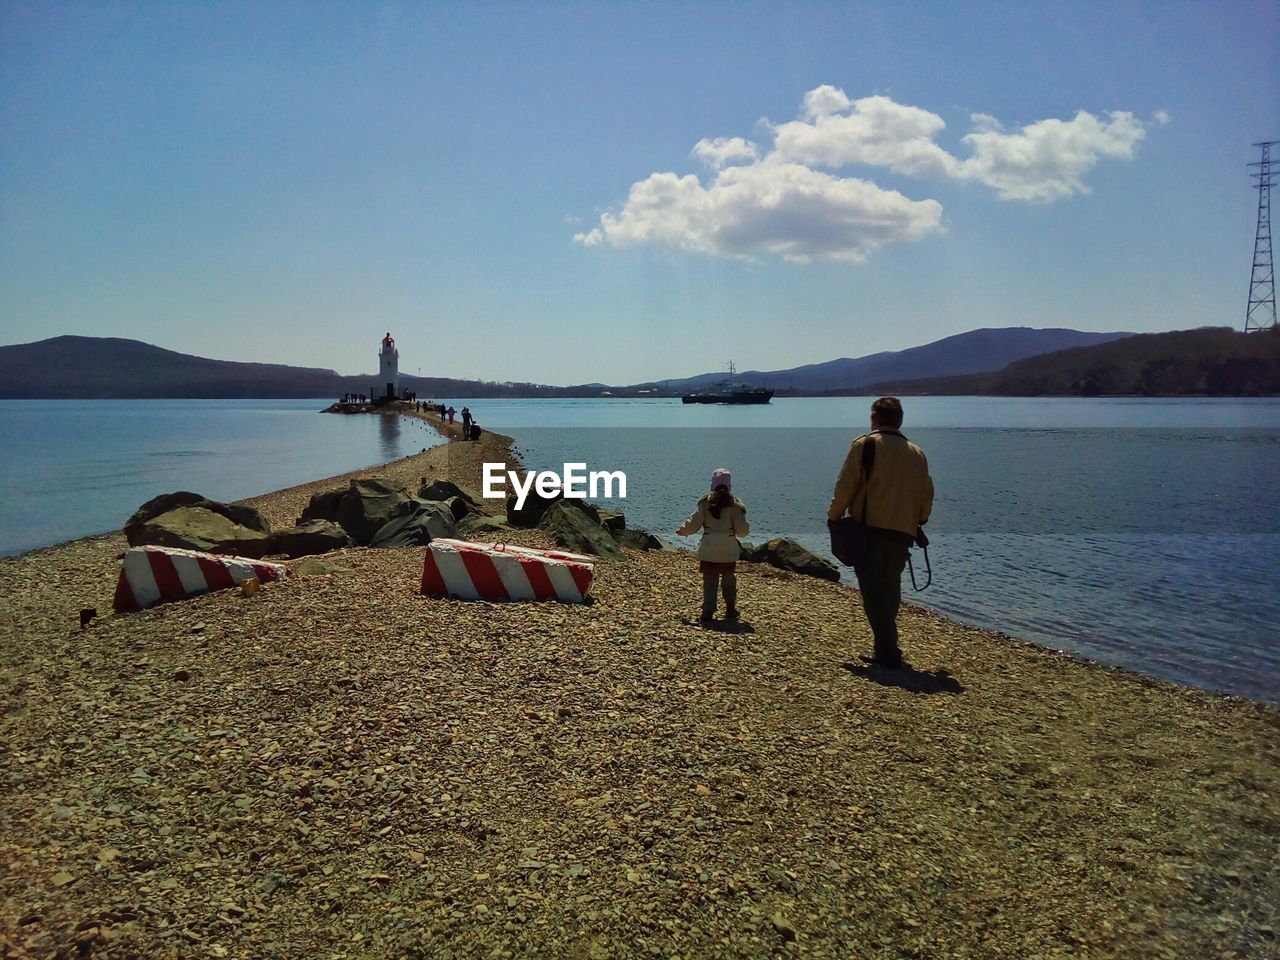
(389, 368)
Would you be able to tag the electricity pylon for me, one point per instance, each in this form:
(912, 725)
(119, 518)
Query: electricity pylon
(1261, 312)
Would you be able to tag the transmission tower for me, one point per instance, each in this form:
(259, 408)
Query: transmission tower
(1261, 312)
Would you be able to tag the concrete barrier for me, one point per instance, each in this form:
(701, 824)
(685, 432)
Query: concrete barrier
(488, 571)
(151, 575)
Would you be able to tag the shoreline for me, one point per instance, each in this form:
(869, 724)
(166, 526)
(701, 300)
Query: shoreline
(347, 759)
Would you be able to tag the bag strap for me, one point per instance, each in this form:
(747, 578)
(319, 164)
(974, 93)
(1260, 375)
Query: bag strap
(868, 462)
(928, 569)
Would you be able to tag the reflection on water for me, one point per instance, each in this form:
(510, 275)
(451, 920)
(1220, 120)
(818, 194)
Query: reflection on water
(389, 437)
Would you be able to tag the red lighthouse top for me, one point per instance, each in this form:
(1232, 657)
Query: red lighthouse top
(388, 340)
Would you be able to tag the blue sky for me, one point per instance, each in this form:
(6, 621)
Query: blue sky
(575, 192)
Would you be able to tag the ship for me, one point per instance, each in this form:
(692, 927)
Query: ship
(729, 392)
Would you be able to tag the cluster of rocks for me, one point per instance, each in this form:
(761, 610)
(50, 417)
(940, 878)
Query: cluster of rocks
(376, 512)
(372, 512)
(380, 512)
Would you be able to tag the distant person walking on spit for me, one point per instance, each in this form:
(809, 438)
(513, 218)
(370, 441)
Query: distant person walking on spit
(466, 423)
(896, 487)
(450, 412)
(722, 518)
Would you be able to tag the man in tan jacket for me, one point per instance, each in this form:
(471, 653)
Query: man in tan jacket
(898, 495)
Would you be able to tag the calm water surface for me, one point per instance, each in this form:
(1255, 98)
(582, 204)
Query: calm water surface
(70, 468)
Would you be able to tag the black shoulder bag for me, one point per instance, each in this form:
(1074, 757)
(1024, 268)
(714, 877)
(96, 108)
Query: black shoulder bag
(849, 537)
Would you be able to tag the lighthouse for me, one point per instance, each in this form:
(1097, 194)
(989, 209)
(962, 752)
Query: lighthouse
(389, 368)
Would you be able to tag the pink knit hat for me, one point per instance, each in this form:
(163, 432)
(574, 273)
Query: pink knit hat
(721, 477)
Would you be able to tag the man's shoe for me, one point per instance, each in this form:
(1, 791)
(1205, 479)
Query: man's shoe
(706, 620)
(731, 616)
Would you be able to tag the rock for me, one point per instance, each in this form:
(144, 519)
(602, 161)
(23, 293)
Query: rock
(158, 506)
(479, 526)
(530, 515)
(639, 540)
(783, 927)
(789, 555)
(613, 521)
(443, 490)
(314, 536)
(314, 567)
(778, 877)
(323, 506)
(416, 524)
(460, 507)
(575, 530)
(198, 528)
(369, 506)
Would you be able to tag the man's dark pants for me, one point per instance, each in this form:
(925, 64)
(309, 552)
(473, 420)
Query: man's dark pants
(880, 580)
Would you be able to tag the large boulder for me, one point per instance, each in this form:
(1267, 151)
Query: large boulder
(198, 528)
(369, 505)
(460, 507)
(314, 536)
(323, 506)
(613, 521)
(416, 524)
(443, 490)
(638, 539)
(241, 516)
(789, 555)
(574, 529)
(530, 515)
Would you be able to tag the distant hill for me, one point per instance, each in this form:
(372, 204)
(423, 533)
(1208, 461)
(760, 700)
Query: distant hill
(1209, 361)
(1197, 361)
(104, 367)
(977, 351)
(108, 367)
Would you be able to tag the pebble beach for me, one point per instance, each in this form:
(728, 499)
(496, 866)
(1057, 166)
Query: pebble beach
(338, 766)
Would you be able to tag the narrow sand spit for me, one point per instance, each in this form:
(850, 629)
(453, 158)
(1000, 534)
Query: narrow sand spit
(340, 767)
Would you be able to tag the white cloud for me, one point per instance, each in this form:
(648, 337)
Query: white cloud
(1047, 160)
(780, 209)
(775, 202)
(723, 151)
(873, 130)
(824, 100)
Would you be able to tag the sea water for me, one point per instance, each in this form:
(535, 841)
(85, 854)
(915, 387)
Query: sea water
(71, 468)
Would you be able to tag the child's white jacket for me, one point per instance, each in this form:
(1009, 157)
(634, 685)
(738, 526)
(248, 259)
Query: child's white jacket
(719, 534)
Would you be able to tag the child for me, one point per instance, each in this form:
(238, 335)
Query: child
(722, 518)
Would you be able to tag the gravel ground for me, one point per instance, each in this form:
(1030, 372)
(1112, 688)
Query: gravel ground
(340, 767)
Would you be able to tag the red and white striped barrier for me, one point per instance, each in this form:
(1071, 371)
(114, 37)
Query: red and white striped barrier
(151, 575)
(487, 571)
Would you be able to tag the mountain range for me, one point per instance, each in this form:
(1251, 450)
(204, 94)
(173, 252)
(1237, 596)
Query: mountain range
(978, 351)
(109, 367)
(1209, 361)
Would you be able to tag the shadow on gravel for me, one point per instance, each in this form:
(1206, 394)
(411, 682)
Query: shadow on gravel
(722, 626)
(907, 678)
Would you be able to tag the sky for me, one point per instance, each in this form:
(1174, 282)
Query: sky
(619, 192)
